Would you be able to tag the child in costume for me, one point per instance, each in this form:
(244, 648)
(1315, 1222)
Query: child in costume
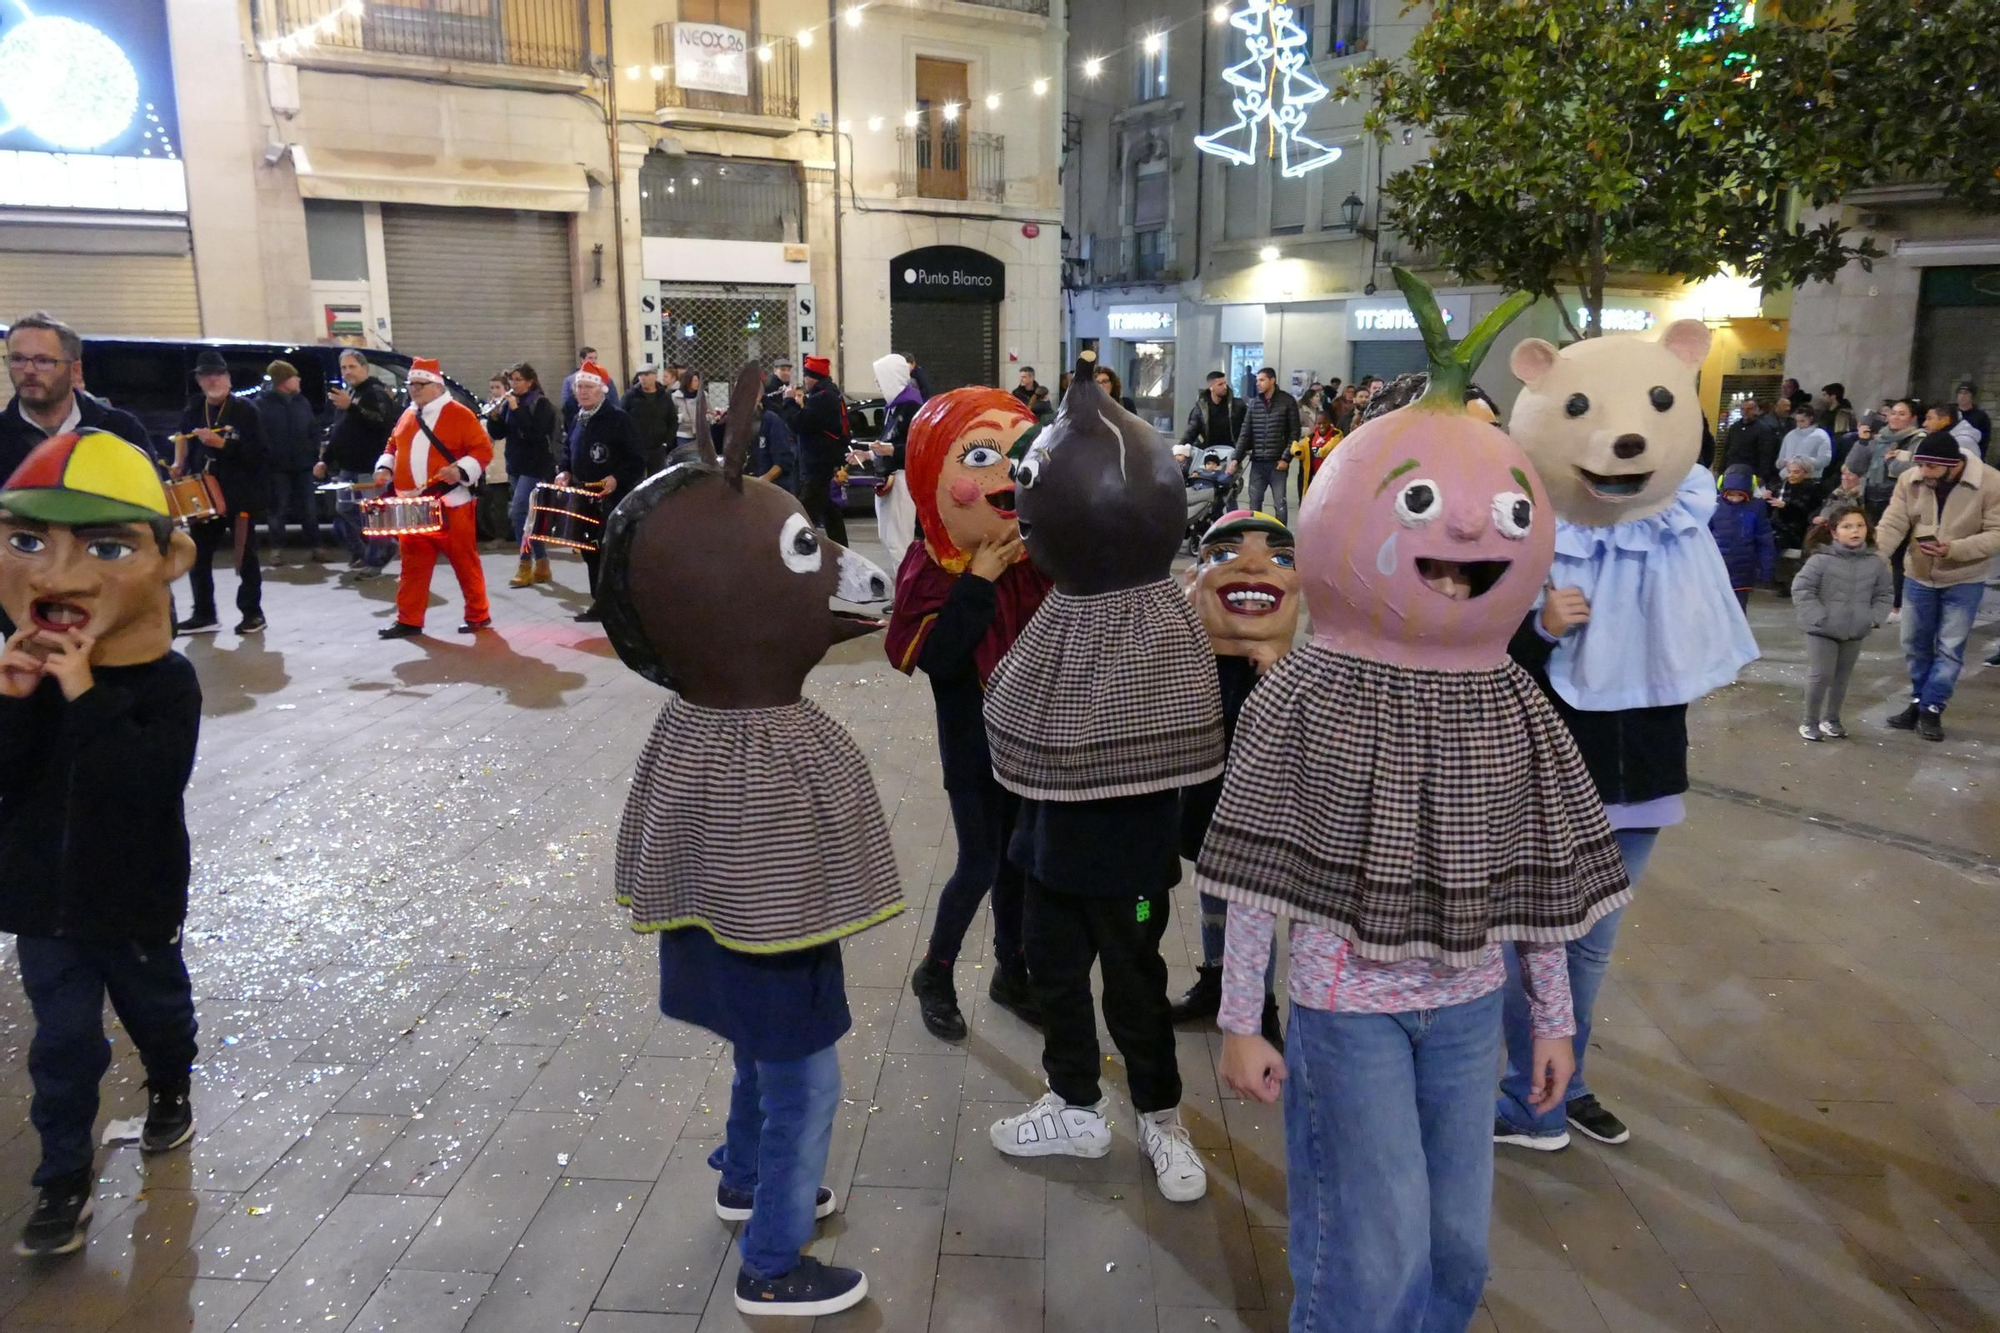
(1642, 621)
(1741, 526)
(963, 594)
(1439, 811)
(1087, 726)
(98, 723)
(1844, 591)
(1245, 587)
(753, 838)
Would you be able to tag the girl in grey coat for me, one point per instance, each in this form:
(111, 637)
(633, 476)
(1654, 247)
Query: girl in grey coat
(1844, 591)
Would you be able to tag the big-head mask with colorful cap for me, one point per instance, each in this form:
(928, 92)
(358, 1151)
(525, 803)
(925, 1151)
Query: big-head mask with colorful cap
(1427, 537)
(718, 586)
(1246, 584)
(959, 460)
(1101, 501)
(87, 546)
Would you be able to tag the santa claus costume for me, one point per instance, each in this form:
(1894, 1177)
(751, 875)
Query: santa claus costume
(438, 448)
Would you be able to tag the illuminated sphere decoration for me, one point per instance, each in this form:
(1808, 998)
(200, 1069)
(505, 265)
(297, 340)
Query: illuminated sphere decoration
(65, 82)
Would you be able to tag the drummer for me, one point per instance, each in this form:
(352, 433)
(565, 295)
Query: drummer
(606, 454)
(439, 449)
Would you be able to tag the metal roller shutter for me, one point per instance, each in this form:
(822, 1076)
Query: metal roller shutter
(957, 343)
(480, 288)
(1387, 359)
(150, 296)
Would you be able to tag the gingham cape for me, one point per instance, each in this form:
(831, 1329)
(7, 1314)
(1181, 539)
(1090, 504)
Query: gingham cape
(1417, 814)
(762, 826)
(1113, 694)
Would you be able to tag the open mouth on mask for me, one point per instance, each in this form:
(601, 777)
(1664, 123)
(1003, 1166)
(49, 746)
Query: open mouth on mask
(1461, 580)
(1002, 500)
(1026, 525)
(1621, 486)
(1251, 599)
(60, 617)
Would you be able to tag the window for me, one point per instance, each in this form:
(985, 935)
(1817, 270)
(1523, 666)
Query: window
(1347, 34)
(1288, 202)
(336, 244)
(1345, 175)
(1243, 206)
(1151, 67)
(1149, 382)
(717, 198)
(1149, 254)
(1149, 209)
(1303, 16)
(1245, 359)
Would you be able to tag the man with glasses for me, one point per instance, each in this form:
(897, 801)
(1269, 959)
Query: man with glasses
(44, 360)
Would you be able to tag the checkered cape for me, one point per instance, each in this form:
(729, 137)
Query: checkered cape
(1114, 694)
(1417, 814)
(762, 826)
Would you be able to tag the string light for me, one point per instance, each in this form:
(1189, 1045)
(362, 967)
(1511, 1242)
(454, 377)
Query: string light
(1152, 43)
(950, 111)
(631, 71)
(805, 39)
(306, 37)
(854, 16)
(1041, 87)
(764, 55)
(993, 101)
(910, 118)
(658, 72)
(1092, 67)
(1220, 14)
(874, 123)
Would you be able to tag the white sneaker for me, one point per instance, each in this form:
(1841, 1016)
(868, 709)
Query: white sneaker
(1164, 1138)
(1054, 1128)
(1896, 615)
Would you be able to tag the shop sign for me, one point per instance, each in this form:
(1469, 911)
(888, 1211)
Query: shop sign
(1752, 362)
(1619, 319)
(947, 273)
(805, 309)
(1390, 320)
(1140, 321)
(712, 58)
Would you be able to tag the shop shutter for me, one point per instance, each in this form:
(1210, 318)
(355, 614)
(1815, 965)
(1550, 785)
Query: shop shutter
(1387, 359)
(482, 288)
(104, 295)
(957, 343)
(715, 329)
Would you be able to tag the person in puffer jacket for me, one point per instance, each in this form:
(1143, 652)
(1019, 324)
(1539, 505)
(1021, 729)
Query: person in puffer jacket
(1844, 591)
(1741, 526)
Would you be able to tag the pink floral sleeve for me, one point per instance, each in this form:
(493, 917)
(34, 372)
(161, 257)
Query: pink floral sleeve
(1246, 949)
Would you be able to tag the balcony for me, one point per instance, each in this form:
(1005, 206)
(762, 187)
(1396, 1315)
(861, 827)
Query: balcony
(947, 161)
(1040, 8)
(522, 34)
(755, 90)
(1116, 259)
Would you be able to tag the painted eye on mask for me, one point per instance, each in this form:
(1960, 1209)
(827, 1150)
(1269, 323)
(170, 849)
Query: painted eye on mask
(1285, 559)
(27, 543)
(1418, 503)
(110, 548)
(982, 455)
(1513, 514)
(798, 544)
(1027, 472)
(1221, 555)
(1577, 405)
(1662, 398)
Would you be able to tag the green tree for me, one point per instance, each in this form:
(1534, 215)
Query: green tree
(1920, 96)
(1571, 139)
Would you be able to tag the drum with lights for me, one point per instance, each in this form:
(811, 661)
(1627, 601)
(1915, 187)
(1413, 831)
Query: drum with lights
(195, 499)
(566, 516)
(402, 516)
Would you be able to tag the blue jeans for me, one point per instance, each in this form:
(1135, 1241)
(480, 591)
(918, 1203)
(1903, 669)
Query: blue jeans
(780, 1131)
(1214, 928)
(347, 523)
(1589, 960)
(66, 981)
(517, 514)
(1263, 477)
(1389, 1166)
(292, 493)
(1936, 623)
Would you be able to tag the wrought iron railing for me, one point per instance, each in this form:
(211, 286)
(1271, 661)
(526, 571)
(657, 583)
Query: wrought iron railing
(531, 34)
(769, 72)
(947, 161)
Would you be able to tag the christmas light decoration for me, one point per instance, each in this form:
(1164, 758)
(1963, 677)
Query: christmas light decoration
(65, 82)
(1275, 87)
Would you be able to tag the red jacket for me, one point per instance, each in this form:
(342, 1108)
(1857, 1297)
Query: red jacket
(410, 455)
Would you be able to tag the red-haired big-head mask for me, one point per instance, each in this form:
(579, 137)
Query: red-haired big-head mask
(959, 471)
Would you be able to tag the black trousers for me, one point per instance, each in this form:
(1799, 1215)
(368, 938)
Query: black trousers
(1063, 934)
(983, 818)
(66, 981)
(590, 563)
(221, 536)
(814, 494)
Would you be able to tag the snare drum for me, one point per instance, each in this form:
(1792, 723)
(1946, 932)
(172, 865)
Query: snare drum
(566, 516)
(196, 499)
(402, 516)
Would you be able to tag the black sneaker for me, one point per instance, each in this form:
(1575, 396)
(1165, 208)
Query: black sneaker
(1992, 658)
(1588, 1114)
(1905, 720)
(169, 1119)
(734, 1205)
(937, 1001)
(198, 625)
(1012, 991)
(251, 625)
(62, 1212)
(399, 630)
(1274, 1031)
(591, 617)
(1203, 1000)
(1930, 724)
(474, 626)
(813, 1288)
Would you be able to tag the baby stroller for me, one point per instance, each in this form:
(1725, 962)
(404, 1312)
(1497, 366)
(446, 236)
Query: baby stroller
(1210, 488)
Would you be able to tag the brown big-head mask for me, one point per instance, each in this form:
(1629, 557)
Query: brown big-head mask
(1102, 503)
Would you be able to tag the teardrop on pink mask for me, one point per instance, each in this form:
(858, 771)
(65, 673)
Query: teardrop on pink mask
(1385, 556)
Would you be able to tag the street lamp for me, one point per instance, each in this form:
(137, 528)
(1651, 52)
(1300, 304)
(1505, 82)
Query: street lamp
(1268, 254)
(1350, 211)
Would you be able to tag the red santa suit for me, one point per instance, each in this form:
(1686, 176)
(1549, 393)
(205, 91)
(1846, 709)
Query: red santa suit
(413, 461)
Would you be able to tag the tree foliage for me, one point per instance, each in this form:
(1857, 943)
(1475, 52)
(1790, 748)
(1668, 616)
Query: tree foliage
(1920, 96)
(1576, 138)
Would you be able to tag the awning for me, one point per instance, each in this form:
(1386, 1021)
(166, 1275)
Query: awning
(450, 182)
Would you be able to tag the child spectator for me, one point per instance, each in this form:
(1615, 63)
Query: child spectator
(1742, 529)
(1844, 591)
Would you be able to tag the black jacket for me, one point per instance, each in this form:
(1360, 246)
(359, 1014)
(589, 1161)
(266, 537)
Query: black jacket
(19, 436)
(896, 420)
(530, 437)
(1238, 676)
(1752, 444)
(655, 414)
(775, 448)
(1213, 423)
(242, 468)
(607, 444)
(1633, 754)
(1269, 427)
(361, 430)
(291, 439)
(93, 833)
(821, 428)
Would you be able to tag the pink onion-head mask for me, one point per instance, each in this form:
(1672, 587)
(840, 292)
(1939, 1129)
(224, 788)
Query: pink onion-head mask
(1429, 535)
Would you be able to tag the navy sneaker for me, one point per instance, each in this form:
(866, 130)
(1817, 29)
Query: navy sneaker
(811, 1289)
(61, 1217)
(1593, 1118)
(734, 1205)
(1521, 1138)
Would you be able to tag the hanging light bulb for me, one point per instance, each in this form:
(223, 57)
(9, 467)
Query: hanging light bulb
(854, 16)
(874, 124)
(658, 71)
(1041, 87)
(910, 118)
(631, 71)
(993, 101)
(1219, 14)
(805, 39)
(764, 55)
(1152, 43)
(846, 126)
(951, 111)
(1092, 68)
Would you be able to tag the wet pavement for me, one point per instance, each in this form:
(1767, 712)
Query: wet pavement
(436, 1093)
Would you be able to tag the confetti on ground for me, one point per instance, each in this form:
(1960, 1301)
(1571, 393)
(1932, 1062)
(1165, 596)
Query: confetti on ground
(123, 1131)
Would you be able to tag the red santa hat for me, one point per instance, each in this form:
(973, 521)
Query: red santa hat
(424, 370)
(819, 367)
(592, 373)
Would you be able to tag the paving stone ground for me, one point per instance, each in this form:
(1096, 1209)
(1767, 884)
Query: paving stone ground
(436, 1093)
